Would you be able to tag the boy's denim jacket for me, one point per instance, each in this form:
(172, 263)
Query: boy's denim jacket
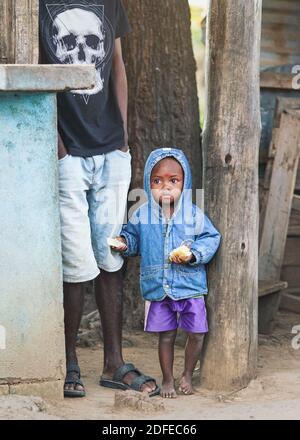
(151, 236)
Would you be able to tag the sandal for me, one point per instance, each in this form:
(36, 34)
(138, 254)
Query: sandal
(117, 381)
(73, 378)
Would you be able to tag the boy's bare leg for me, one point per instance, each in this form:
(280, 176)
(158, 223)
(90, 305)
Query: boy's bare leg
(73, 309)
(192, 355)
(109, 299)
(166, 359)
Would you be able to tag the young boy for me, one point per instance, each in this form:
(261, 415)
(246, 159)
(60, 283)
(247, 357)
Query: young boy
(175, 240)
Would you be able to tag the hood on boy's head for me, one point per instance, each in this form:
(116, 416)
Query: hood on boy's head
(162, 153)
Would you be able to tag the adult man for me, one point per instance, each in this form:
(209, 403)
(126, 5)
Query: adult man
(94, 175)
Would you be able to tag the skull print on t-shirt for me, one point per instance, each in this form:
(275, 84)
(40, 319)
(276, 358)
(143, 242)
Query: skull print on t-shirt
(81, 34)
(84, 32)
(79, 39)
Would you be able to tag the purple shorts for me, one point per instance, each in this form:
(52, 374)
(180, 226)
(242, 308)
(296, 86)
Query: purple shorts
(168, 314)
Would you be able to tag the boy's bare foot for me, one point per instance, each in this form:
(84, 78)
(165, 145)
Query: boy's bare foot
(168, 390)
(185, 385)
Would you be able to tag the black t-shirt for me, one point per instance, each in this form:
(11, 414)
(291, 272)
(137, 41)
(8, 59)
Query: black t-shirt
(84, 32)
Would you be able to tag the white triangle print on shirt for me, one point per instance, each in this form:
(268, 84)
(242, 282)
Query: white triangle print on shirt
(81, 35)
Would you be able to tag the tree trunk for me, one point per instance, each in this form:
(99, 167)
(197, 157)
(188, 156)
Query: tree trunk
(163, 104)
(19, 32)
(231, 145)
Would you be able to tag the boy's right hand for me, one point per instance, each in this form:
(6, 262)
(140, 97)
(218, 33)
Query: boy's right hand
(117, 244)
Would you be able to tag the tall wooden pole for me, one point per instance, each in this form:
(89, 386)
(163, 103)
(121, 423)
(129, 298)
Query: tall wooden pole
(230, 153)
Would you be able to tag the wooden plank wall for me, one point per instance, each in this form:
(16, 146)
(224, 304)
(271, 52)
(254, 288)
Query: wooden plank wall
(19, 32)
(280, 39)
(280, 33)
(280, 45)
(291, 260)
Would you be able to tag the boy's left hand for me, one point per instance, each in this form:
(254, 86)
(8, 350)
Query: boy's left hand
(183, 259)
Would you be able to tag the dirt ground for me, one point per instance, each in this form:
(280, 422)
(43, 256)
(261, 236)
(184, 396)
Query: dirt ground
(274, 394)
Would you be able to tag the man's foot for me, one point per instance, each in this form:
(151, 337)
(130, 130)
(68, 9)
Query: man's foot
(73, 384)
(185, 385)
(147, 387)
(168, 389)
(126, 377)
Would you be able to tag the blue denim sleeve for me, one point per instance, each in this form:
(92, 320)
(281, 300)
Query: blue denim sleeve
(131, 232)
(206, 243)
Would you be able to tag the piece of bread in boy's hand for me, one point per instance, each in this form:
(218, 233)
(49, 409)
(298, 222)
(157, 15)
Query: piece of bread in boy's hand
(181, 254)
(117, 243)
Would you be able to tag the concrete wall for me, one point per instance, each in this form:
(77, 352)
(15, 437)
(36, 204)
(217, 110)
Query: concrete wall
(31, 311)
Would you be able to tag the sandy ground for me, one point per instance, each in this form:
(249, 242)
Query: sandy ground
(274, 394)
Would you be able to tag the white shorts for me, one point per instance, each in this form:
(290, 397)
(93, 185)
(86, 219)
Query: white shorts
(93, 198)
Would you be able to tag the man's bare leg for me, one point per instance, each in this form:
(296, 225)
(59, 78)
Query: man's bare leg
(73, 308)
(109, 299)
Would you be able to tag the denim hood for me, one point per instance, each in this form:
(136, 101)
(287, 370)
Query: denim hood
(155, 157)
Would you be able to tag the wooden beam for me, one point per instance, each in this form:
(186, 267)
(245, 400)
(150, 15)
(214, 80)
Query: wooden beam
(231, 144)
(273, 80)
(267, 287)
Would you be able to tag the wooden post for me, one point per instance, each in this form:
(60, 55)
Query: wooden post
(231, 145)
(19, 42)
(6, 32)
